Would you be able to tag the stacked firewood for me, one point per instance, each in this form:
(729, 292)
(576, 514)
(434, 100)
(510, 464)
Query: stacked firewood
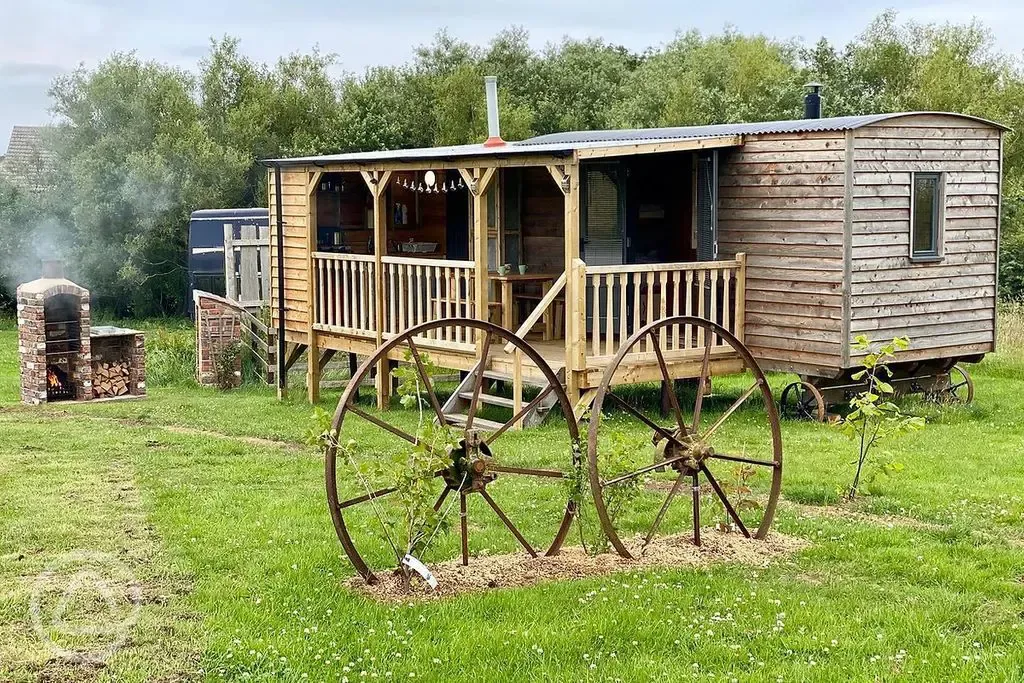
(110, 379)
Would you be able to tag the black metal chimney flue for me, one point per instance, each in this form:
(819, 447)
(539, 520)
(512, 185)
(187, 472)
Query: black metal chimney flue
(812, 101)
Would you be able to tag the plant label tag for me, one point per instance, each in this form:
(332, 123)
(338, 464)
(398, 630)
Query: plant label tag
(421, 569)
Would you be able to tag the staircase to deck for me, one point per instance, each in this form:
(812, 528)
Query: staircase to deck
(456, 408)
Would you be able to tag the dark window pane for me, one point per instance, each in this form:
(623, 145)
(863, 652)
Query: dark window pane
(492, 209)
(926, 198)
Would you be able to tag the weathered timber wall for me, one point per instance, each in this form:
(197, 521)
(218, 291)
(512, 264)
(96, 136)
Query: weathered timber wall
(295, 209)
(946, 307)
(781, 200)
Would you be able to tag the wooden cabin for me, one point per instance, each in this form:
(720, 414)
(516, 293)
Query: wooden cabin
(794, 235)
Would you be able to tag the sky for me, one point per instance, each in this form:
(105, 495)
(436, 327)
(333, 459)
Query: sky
(42, 40)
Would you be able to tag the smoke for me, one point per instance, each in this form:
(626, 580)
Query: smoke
(118, 225)
(29, 236)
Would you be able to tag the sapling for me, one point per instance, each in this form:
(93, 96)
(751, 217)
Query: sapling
(411, 471)
(873, 415)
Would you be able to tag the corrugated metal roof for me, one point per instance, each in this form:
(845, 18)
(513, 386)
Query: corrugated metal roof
(567, 143)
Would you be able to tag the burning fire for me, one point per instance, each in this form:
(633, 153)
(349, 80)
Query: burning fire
(53, 379)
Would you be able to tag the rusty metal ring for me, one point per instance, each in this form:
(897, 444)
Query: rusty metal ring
(346, 405)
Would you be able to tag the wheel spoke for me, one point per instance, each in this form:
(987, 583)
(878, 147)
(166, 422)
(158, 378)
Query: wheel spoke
(479, 382)
(643, 470)
(673, 400)
(696, 510)
(441, 498)
(464, 528)
(434, 403)
(508, 523)
(736, 404)
(725, 501)
(368, 496)
(383, 425)
(643, 418)
(520, 415)
(529, 471)
(664, 508)
(749, 461)
(702, 383)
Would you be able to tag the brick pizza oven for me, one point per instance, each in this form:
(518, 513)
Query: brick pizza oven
(61, 354)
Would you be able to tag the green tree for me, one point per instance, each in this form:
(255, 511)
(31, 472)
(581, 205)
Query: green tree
(701, 79)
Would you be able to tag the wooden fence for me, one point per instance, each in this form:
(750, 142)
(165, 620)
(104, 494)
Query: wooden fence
(622, 299)
(247, 265)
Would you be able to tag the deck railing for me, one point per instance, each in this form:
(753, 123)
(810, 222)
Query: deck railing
(622, 299)
(617, 300)
(417, 290)
(345, 292)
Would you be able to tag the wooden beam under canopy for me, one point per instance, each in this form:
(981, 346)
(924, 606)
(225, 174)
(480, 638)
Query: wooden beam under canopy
(659, 147)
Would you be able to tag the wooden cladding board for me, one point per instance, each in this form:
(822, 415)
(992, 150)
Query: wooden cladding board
(946, 307)
(295, 210)
(781, 200)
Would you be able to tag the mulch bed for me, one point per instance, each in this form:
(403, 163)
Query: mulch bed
(517, 569)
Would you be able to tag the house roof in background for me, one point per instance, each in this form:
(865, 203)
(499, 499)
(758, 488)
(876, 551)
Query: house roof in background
(29, 159)
(569, 142)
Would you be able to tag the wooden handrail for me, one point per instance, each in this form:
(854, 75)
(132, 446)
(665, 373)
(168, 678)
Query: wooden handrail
(535, 315)
(659, 267)
(413, 261)
(332, 256)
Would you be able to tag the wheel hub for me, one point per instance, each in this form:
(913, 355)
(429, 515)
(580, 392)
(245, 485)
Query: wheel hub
(691, 448)
(469, 471)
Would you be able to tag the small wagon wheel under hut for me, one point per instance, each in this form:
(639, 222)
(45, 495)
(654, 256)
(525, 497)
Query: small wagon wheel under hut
(473, 462)
(959, 388)
(698, 451)
(802, 401)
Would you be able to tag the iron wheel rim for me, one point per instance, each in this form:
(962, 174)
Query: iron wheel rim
(346, 403)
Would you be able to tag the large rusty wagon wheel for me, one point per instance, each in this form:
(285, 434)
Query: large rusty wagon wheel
(476, 461)
(689, 451)
(802, 401)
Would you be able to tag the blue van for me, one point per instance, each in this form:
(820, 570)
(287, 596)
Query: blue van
(206, 244)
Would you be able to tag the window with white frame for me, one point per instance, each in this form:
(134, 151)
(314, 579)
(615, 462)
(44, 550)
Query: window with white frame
(926, 215)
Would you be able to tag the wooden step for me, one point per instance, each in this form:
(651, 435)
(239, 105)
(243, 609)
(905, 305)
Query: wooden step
(540, 382)
(489, 399)
(460, 419)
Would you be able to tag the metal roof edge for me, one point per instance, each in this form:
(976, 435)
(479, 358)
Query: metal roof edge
(971, 117)
(559, 144)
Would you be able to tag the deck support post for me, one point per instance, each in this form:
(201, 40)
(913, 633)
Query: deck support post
(567, 178)
(377, 182)
(478, 180)
(313, 367)
(279, 310)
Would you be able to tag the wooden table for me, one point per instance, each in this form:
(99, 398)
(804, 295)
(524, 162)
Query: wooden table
(507, 308)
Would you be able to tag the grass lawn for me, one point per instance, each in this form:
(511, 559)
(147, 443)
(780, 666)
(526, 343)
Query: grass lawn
(213, 513)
